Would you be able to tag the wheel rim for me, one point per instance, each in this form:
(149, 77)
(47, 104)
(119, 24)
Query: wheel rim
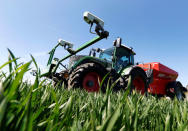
(139, 85)
(91, 83)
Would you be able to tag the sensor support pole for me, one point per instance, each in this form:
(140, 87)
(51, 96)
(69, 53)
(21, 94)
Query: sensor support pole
(89, 43)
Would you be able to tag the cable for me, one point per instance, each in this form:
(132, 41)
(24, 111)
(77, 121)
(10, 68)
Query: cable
(63, 66)
(91, 28)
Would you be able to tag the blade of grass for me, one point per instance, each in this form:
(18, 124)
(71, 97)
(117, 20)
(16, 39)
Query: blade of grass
(8, 63)
(3, 106)
(17, 80)
(13, 57)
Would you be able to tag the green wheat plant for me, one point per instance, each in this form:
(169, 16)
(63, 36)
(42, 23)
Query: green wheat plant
(41, 106)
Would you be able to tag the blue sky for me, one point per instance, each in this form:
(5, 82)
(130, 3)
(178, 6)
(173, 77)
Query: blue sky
(156, 29)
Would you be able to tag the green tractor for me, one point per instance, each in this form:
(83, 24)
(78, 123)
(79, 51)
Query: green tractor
(115, 64)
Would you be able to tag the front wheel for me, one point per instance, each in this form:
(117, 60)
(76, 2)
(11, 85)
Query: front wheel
(138, 81)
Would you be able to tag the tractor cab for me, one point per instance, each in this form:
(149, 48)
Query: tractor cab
(119, 57)
(123, 57)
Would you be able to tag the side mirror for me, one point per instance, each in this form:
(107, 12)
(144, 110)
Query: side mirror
(117, 42)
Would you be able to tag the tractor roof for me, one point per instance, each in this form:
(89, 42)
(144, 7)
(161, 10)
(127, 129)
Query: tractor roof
(128, 48)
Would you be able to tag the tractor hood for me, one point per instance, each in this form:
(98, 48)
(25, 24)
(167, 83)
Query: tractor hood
(81, 59)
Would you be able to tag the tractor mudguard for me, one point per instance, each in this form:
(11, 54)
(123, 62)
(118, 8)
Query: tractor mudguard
(88, 59)
(148, 73)
(127, 71)
(136, 79)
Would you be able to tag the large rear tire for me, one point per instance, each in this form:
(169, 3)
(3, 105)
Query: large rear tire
(138, 81)
(175, 88)
(87, 76)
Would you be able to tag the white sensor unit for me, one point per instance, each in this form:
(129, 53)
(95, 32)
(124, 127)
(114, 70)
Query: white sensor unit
(90, 18)
(65, 43)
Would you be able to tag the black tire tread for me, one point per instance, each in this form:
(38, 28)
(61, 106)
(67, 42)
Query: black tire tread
(175, 84)
(75, 78)
(135, 72)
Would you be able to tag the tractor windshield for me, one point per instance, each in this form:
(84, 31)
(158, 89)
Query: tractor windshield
(107, 54)
(123, 57)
